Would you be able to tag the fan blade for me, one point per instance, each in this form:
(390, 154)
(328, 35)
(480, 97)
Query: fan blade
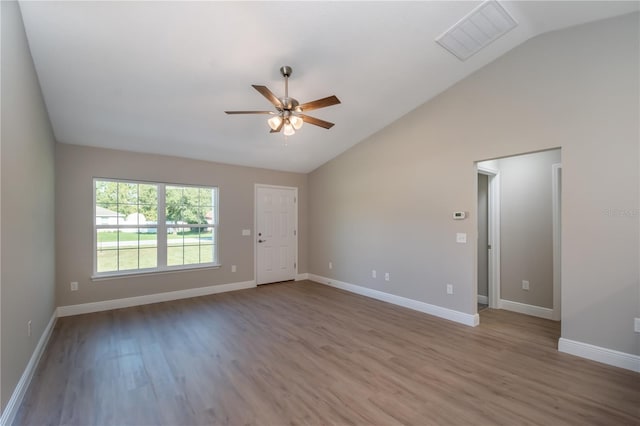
(320, 103)
(264, 91)
(278, 128)
(249, 112)
(316, 121)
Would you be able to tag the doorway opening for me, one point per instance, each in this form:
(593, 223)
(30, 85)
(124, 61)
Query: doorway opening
(488, 237)
(518, 234)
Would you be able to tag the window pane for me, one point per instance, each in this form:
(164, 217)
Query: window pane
(206, 253)
(175, 255)
(210, 216)
(106, 214)
(148, 257)
(147, 194)
(175, 246)
(191, 196)
(148, 243)
(106, 192)
(191, 254)
(107, 250)
(127, 259)
(107, 260)
(173, 201)
(127, 193)
(207, 197)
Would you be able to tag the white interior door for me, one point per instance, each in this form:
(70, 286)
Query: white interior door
(276, 234)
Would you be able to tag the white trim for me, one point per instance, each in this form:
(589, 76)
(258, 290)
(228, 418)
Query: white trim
(483, 299)
(494, 234)
(255, 226)
(106, 305)
(153, 271)
(600, 354)
(438, 311)
(556, 211)
(301, 277)
(10, 411)
(523, 308)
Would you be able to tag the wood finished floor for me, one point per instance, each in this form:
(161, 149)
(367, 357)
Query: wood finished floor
(304, 353)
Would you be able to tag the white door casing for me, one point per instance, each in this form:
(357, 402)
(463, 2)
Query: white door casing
(276, 239)
(494, 235)
(556, 190)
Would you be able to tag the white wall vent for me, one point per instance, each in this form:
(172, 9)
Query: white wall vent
(477, 29)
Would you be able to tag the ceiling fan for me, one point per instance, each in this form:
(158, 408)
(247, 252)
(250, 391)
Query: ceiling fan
(289, 112)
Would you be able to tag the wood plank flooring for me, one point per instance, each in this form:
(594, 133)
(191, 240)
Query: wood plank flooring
(304, 353)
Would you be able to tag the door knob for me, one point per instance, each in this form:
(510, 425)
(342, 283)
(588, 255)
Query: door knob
(262, 241)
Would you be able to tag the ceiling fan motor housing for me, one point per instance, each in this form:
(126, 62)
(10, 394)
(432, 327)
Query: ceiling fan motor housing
(290, 104)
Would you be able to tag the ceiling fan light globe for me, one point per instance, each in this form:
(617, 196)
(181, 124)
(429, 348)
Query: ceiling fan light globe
(289, 130)
(296, 122)
(274, 122)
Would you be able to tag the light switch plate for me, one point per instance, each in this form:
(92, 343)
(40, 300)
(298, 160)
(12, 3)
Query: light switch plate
(461, 237)
(246, 232)
(636, 325)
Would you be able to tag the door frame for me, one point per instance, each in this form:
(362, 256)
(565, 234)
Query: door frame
(255, 226)
(493, 213)
(556, 208)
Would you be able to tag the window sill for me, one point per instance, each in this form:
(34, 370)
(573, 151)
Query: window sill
(170, 270)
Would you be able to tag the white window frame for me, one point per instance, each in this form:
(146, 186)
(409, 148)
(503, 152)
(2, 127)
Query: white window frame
(161, 232)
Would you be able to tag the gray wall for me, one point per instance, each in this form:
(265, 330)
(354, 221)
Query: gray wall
(526, 228)
(27, 179)
(76, 167)
(483, 235)
(387, 202)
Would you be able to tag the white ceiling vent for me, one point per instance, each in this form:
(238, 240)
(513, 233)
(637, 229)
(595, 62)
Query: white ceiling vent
(479, 28)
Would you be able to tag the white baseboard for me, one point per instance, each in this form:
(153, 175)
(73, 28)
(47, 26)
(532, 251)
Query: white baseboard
(483, 299)
(301, 277)
(600, 354)
(10, 411)
(438, 311)
(107, 305)
(523, 308)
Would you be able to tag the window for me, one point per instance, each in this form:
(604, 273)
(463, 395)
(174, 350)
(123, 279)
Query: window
(150, 227)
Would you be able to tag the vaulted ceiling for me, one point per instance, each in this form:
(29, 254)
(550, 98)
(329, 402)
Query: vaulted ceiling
(156, 76)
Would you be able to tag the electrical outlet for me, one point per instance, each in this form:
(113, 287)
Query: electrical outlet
(74, 285)
(636, 325)
(233, 268)
(386, 276)
(373, 273)
(29, 328)
(330, 265)
(525, 285)
(449, 288)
